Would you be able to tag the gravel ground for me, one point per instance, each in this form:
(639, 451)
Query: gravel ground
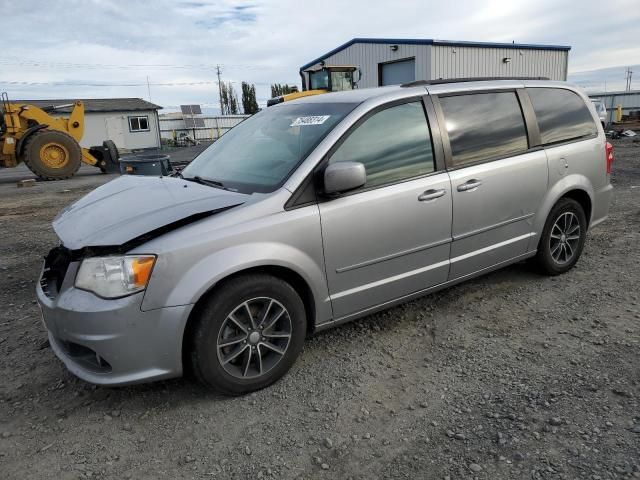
(512, 375)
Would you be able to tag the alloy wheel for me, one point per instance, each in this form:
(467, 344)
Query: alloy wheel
(564, 238)
(254, 337)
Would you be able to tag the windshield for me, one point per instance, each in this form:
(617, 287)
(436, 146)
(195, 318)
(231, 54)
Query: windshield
(319, 80)
(260, 153)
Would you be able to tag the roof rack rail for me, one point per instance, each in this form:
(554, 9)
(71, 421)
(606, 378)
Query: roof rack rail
(417, 83)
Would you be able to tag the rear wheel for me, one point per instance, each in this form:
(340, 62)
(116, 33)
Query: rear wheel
(248, 334)
(52, 155)
(563, 238)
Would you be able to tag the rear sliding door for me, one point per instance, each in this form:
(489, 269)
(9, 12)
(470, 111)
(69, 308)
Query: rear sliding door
(497, 181)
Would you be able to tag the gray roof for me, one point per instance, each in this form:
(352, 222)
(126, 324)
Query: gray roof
(97, 104)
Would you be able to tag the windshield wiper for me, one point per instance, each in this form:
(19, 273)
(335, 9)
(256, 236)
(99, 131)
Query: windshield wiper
(205, 181)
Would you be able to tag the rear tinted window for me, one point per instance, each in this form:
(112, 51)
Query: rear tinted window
(484, 126)
(562, 114)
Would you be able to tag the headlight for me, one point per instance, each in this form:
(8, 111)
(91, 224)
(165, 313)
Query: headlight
(117, 276)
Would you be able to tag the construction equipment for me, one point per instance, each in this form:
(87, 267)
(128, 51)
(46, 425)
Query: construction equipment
(49, 145)
(327, 78)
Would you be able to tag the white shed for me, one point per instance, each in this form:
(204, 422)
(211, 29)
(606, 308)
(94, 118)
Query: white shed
(388, 61)
(132, 123)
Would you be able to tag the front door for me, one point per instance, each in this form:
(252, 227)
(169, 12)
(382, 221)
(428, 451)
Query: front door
(497, 183)
(392, 237)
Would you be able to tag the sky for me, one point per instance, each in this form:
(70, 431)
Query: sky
(167, 50)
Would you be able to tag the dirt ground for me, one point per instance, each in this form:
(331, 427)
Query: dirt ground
(512, 375)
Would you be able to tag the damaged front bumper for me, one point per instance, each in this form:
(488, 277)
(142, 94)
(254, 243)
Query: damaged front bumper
(108, 341)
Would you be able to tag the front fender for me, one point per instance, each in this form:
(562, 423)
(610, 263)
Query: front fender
(189, 286)
(23, 139)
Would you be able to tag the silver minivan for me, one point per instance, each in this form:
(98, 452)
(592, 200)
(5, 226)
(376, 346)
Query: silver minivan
(315, 212)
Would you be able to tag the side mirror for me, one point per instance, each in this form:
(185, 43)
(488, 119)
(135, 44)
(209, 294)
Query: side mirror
(344, 176)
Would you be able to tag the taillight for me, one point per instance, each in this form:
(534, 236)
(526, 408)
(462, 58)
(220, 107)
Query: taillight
(608, 151)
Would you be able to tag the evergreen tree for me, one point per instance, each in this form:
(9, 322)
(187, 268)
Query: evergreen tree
(249, 102)
(229, 99)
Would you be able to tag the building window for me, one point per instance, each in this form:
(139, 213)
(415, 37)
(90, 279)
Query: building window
(139, 124)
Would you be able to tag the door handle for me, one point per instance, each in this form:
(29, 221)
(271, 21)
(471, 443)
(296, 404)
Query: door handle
(470, 185)
(431, 195)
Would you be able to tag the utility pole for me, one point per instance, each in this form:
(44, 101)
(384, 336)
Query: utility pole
(628, 75)
(219, 72)
(148, 88)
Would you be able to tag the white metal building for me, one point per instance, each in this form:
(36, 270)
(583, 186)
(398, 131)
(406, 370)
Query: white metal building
(629, 100)
(132, 123)
(386, 61)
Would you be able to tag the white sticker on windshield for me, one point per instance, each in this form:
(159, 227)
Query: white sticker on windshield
(312, 120)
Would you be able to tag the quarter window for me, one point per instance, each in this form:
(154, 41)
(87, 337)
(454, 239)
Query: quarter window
(139, 124)
(393, 144)
(484, 126)
(562, 115)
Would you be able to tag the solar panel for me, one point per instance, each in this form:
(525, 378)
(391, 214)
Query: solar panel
(194, 122)
(191, 109)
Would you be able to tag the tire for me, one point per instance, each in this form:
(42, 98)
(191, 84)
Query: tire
(232, 356)
(113, 162)
(555, 257)
(52, 155)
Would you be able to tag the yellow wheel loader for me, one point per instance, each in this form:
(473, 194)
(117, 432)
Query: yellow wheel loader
(49, 145)
(327, 78)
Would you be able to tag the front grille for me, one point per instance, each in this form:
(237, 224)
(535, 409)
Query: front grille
(56, 264)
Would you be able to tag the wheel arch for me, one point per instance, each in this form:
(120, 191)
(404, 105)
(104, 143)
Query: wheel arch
(293, 278)
(583, 198)
(27, 134)
(577, 187)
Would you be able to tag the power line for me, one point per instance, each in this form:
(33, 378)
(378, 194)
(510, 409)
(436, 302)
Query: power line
(47, 64)
(143, 84)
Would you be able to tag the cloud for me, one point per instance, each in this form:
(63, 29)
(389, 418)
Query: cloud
(168, 41)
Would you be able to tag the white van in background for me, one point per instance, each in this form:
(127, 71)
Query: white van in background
(601, 110)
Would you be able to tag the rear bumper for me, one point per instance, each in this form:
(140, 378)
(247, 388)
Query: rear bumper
(113, 342)
(601, 204)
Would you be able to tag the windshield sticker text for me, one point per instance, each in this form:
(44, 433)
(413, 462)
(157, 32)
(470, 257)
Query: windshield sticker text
(311, 120)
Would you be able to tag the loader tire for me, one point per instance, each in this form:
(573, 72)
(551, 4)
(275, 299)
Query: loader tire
(52, 155)
(113, 162)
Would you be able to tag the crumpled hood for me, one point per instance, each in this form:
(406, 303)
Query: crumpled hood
(131, 206)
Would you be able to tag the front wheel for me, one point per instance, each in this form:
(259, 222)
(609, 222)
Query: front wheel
(52, 154)
(562, 238)
(247, 334)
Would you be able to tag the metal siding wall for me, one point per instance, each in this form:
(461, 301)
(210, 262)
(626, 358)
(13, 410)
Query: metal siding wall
(460, 62)
(629, 101)
(368, 55)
